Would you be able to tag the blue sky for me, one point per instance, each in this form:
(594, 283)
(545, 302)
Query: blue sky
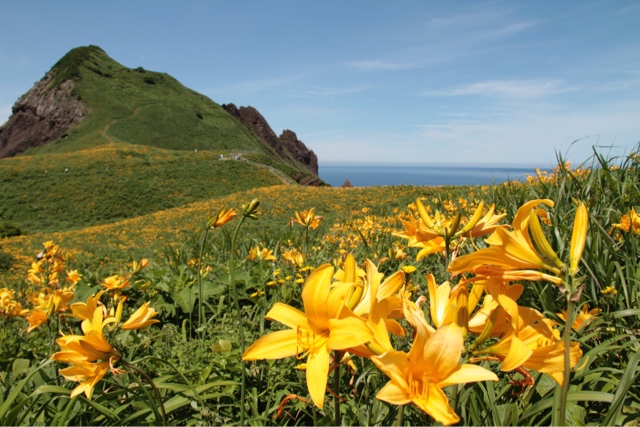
(496, 82)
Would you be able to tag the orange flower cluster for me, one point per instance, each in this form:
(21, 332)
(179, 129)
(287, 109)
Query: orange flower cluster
(355, 310)
(50, 296)
(91, 355)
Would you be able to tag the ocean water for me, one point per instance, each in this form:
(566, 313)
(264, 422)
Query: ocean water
(434, 175)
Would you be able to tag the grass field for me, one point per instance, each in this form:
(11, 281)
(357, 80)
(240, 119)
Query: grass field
(488, 346)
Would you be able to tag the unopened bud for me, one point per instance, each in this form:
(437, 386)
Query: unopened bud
(250, 209)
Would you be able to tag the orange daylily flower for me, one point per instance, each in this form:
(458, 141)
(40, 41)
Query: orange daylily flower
(223, 217)
(375, 301)
(87, 374)
(537, 347)
(432, 364)
(261, 254)
(447, 304)
(83, 310)
(324, 325)
(307, 219)
(115, 282)
(629, 222)
(9, 306)
(509, 250)
(141, 318)
(583, 318)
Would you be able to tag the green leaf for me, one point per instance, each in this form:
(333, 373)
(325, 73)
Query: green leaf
(20, 367)
(8, 404)
(626, 381)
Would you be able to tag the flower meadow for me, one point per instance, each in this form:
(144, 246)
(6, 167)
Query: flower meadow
(516, 304)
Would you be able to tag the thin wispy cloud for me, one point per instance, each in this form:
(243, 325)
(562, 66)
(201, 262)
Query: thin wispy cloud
(507, 88)
(328, 92)
(382, 65)
(510, 29)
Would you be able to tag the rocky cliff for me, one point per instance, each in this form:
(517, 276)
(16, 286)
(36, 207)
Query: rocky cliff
(287, 145)
(40, 116)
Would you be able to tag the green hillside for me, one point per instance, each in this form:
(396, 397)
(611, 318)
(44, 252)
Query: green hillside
(143, 107)
(114, 182)
(147, 143)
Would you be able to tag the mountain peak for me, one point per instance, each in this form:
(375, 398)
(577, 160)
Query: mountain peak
(88, 99)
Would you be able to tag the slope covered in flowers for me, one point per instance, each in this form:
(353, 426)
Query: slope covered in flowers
(514, 304)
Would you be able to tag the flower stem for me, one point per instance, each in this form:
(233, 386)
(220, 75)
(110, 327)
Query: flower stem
(336, 389)
(400, 415)
(234, 296)
(567, 362)
(153, 387)
(200, 290)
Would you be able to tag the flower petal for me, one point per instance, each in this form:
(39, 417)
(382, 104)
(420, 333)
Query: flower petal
(276, 345)
(393, 394)
(287, 315)
(315, 295)
(518, 354)
(317, 372)
(348, 332)
(468, 373)
(442, 350)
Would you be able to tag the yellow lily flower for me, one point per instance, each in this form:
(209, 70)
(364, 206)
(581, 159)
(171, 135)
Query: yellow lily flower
(83, 310)
(377, 303)
(629, 222)
(509, 250)
(36, 317)
(487, 224)
(537, 347)
(432, 364)
(307, 219)
(447, 305)
(115, 282)
(141, 318)
(294, 257)
(87, 374)
(73, 276)
(264, 254)
(9, 306)
(324, 325)
(433, 246)
(415, 231)
(583, 318)
(223, 217)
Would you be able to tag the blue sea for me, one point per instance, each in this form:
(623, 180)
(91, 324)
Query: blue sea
(429, 175)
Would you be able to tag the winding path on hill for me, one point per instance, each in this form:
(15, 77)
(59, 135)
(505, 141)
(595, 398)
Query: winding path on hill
(104, 130)
(284, 178)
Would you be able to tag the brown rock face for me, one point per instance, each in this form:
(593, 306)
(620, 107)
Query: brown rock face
(288, 146)
(40, 116)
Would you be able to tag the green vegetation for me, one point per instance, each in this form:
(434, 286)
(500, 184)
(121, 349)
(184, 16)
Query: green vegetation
(142, 107)
(62, 191)
(194, 360)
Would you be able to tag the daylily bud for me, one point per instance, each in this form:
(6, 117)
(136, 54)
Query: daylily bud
(250, 209)
(424, 215)
(473, 221)
(454, 225)
(541, 240)
(488, 328)
(578, 238)
(356, 294)
(119, 312)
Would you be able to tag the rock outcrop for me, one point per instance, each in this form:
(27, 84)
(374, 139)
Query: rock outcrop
(40, 116)
(287, 145)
